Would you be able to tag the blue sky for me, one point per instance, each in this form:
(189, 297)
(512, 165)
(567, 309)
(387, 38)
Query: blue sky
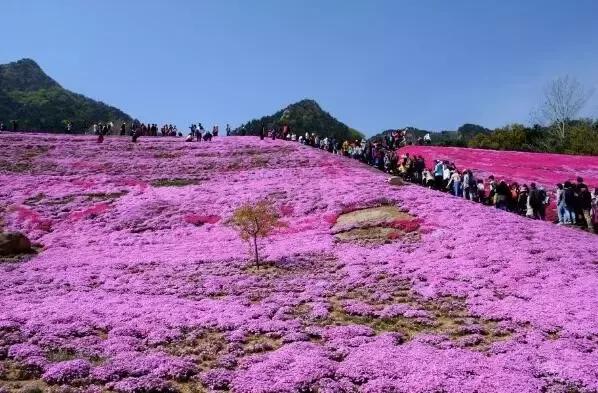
(373, 64)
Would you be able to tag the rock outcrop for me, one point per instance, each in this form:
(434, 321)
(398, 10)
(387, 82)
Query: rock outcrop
(14, 243)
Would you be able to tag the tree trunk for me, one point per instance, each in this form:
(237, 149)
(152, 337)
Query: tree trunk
(257, 260)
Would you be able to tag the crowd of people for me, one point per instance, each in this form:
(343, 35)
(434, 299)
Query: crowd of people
(391, 140)
(198, 133)
(575, 203)
(136, 130)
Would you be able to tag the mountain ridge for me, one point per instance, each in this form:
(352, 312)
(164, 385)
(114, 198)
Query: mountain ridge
(38, 102)
(302, 116)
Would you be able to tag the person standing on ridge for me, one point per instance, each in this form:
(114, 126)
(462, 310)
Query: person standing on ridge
(594, 208)
(585, 205)
(227, 129)
(101, 135)
(569, 206)
(438, 172)
(577, 187)
(544, 200)
(427, 139)
(136, 134)
(199, 133)
(535, 202)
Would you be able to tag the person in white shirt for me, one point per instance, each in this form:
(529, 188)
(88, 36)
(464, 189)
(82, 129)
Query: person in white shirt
(446, 175)
(428, 179)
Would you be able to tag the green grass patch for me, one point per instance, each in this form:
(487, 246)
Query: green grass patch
(176, 182)
(105, 196)
(259, 343)
(205, 346)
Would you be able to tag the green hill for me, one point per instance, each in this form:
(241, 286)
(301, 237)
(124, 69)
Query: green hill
(303, 116)
(462, 137)
(38, 102)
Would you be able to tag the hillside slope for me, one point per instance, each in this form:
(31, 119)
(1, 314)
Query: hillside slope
(142, 285)
(546, 169)
(38, 102)
(303, 116)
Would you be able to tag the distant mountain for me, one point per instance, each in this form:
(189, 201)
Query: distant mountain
(412, 131)
(468, 131)
(38, 102)
(303, 116)
(461, 137)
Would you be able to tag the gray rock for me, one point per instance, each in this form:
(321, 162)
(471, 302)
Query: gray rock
(396, 181)
(14, 243)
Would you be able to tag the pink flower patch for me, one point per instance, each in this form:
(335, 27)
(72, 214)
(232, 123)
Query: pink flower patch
(84, 183)
(286, 209)
(25, 214)
(91, 212)
(302, 225)
(406, 225)
(133, 183)
(394, 235)
(199, 220)
(33, 219)
(330, 218)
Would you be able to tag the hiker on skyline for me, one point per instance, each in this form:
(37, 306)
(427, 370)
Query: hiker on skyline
(136, 134)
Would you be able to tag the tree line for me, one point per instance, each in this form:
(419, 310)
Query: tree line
(581, 137)
(556, 127)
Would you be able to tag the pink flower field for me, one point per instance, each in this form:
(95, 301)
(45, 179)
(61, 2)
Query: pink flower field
(140, 284)
(545, 169)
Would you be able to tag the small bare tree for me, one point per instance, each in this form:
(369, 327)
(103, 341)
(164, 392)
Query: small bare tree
(254, 221)
(563, 99)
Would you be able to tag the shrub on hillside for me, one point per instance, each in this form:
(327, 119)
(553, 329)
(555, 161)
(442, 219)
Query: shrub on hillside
(254, 221)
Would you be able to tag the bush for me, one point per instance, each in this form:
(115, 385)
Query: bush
(67, 371)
